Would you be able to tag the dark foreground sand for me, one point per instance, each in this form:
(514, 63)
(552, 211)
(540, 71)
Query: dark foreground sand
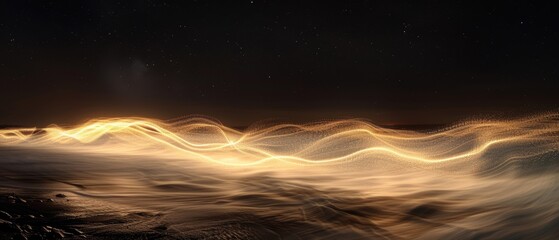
(56, 216)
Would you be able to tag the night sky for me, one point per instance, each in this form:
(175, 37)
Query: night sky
(246, 61)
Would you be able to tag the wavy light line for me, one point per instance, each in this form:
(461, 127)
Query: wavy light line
(316, 144)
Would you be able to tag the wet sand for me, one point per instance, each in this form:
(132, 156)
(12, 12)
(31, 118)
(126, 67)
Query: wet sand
(106, 198)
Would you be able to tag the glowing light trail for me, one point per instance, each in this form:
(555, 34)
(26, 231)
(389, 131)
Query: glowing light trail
(315, 144)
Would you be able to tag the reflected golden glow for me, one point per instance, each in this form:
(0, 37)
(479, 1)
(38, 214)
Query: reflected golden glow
(332, 142)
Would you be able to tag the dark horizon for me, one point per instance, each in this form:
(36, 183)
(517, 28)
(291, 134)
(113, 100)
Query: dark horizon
(249, 61)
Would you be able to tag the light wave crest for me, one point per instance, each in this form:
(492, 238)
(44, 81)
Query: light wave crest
(322, 143)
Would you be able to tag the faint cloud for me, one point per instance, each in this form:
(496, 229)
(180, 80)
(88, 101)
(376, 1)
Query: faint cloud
(129, 80)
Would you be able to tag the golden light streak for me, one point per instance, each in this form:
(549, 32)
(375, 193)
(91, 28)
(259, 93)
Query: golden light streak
(322, 143)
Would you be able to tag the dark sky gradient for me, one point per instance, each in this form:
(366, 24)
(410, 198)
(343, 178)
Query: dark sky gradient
(244, 61)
